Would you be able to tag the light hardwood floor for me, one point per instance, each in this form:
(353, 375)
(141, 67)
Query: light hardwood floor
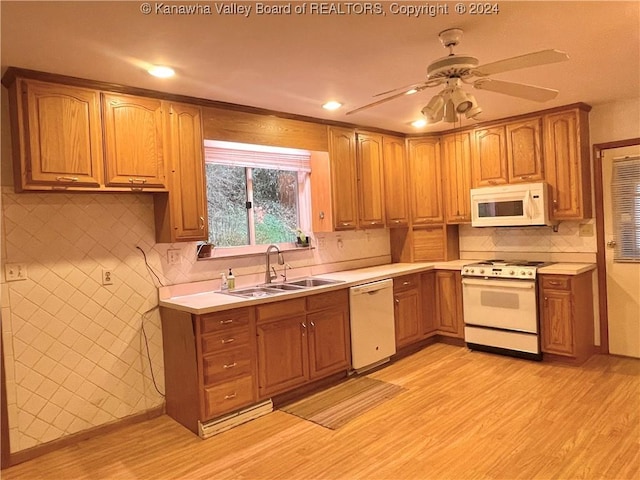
(464, 415)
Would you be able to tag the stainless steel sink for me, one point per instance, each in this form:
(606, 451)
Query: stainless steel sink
(282, 286)
(312, 282)
(253, 292)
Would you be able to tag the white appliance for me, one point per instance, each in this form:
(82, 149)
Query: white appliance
(373, 331)
(510, 205)
(500, 306)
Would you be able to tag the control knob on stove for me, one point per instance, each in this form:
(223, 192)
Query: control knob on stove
(511, 272)
(481, 271)
(530, 273)
(524, 273)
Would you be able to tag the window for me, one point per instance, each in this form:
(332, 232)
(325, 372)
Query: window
(256, 195)
(625, 193)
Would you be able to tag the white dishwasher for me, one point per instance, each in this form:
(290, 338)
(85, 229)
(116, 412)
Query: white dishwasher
(373, 331)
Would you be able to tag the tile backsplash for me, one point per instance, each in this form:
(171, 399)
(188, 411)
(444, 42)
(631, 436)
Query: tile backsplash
(75, 353)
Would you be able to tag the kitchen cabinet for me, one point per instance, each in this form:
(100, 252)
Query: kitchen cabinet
(57, 136)
(567, 315)
(428, 319)
(524, 150)
(395, 181)
(181, 215)
(567, 163)
(490, 157)
(135, 147)
(427, 243)
(407, 308)
(301, 340)
(344, 193)
(456, 168)
(425, 188)
(209, 364)
(448, 285)
(371, 208)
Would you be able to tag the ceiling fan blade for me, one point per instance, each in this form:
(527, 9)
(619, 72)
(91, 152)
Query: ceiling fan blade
(417, 88)
(543, 57)
(405, 89)
(521, 90)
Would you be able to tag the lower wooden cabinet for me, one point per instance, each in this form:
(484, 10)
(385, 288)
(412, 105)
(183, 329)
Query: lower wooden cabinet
(301, 340)
(406, 297)
(567, 315)
(448, 286)
(428, 319)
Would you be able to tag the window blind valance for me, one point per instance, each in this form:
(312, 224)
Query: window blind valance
(256, 156)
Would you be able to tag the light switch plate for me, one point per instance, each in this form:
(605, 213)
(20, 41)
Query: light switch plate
(15, 271)
(586, 230)
(174, 256)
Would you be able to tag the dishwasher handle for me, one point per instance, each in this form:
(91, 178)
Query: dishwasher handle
(371, 288)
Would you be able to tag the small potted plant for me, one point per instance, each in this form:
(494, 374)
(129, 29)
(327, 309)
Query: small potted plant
(302, 240)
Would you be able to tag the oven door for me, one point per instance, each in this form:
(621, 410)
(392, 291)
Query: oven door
(504, 304)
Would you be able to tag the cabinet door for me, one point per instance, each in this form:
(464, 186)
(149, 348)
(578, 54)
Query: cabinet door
(449, 303)
(566, 157)
(557, 324)
(283, 357)
(395, 181)
(425, 181)
(61, 136)
(490, 157)
(407, 317)
(456, 161)
(428, 319)
(524, 151)
(342, 157)
(187, 183)
(329, 342)
(134, 141)
(370, 187)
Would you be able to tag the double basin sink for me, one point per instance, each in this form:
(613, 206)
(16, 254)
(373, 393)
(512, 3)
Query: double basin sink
(269, 289)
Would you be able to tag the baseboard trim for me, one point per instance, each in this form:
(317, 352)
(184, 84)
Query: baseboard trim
(39, 450)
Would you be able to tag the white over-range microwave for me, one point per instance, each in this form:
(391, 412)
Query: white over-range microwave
(522, 204)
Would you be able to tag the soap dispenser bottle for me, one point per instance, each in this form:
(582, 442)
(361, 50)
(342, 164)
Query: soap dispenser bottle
(224, 284)
(231, 280)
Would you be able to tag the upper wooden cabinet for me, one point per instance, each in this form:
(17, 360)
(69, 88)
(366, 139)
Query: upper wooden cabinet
(524, 151)
(490, 157)
(395, 181)
(134, 141)
(342, 159)
(566, 158)
(371, 208)
(182, 215)
(425, 190)
(57, 136)
(456, 167)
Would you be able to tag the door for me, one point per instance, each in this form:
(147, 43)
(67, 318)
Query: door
(622, 255)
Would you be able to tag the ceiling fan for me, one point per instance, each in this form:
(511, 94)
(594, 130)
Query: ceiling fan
(454, 70)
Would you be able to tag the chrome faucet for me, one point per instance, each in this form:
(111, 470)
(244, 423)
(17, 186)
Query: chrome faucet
(270, 273)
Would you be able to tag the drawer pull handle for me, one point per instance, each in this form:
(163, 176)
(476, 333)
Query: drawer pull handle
(406, 283)
(201, 222)
(231, 396)
(67, 179)
(138, 180)
(554, 282)
(225, 322)
(525, 177)
(230, 365)
(228, 340)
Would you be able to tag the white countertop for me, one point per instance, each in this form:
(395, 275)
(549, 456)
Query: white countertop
(200, 297)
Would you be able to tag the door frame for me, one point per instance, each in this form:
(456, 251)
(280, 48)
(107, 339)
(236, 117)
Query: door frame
(600, 241)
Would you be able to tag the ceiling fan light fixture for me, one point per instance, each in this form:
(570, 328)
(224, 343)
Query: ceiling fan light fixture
(475, 110)
(434, 109)
(461, 100)
(450, 114)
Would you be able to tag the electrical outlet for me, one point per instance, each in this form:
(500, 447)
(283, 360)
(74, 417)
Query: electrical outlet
(15, 271)
(321, 243)
(586, 230)
(107, 277)
(174, 256)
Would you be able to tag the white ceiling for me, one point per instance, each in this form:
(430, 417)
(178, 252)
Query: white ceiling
(294, 63)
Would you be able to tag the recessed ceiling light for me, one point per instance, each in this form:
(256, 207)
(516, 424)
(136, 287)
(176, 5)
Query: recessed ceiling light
(419, 123)
(411, 92)
(161, 71)
(332, 105)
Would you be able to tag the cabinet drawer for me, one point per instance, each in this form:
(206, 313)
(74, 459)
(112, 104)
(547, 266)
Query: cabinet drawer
(328, 300)
(224, 366)
(285, 308)
(406, 282)
(225, 320)
(218, 342)
(228, 396)
(556, 282)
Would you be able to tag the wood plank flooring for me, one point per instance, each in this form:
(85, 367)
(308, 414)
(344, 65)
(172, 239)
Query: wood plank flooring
(464, 415)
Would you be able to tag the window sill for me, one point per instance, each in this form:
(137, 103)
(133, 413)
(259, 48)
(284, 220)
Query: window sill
(253, 251)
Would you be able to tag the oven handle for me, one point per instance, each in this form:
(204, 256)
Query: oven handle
(526, 285)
